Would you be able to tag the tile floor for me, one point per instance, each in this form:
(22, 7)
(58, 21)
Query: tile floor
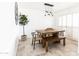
(24, 48)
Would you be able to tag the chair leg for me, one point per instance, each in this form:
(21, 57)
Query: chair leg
(32, 41)
(64, 42)
(34, 45)
(39, 42)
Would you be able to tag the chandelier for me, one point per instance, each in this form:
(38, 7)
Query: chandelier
(48, 9)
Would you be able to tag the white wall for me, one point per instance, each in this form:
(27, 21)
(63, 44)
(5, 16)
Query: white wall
(8, 29)
(70, 10)
(37, 20)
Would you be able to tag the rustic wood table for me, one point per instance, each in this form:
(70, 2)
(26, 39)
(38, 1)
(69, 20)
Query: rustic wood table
(46, 37)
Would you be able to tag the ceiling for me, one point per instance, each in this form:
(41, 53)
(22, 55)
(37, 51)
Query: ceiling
(58, 6)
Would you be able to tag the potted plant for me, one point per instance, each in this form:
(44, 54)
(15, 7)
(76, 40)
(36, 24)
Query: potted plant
(23, 20)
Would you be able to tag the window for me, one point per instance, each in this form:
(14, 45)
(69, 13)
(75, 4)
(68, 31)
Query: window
(69, 20)
(64, 20)
(60, 21)
(76, 20)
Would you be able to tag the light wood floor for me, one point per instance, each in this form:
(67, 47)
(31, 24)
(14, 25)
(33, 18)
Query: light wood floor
(24, 48)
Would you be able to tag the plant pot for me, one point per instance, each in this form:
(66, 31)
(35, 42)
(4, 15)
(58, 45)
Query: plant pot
(23, 37)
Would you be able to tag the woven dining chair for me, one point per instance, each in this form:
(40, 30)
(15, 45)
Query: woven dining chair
(35, 38)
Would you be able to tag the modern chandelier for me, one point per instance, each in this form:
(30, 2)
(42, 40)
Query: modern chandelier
(48, 9)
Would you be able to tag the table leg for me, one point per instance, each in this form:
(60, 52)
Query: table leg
(46, 46)
(43, 43)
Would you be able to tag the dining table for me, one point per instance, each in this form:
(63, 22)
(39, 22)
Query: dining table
(50, 35)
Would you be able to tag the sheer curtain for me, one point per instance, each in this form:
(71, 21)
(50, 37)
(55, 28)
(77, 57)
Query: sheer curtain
(76, 26)
(70, 23)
